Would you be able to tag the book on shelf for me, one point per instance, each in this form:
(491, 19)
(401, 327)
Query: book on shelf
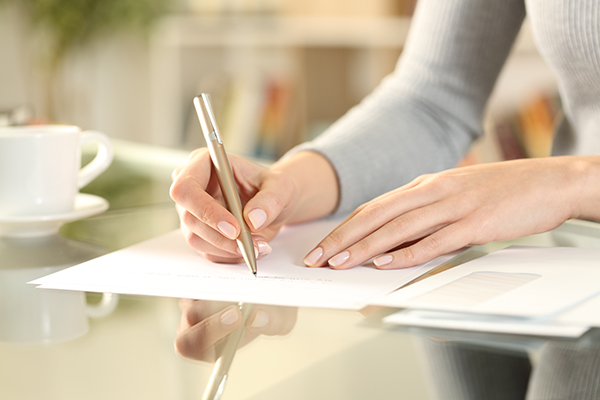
(536, 124)
(258, 114)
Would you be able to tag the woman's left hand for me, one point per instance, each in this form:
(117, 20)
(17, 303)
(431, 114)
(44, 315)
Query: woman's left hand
(439, 213)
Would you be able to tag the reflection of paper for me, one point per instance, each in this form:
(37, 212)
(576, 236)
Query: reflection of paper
(166, 266)
(566, 276)
(483, 323)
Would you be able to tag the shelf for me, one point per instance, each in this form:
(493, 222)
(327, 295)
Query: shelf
(195, 31)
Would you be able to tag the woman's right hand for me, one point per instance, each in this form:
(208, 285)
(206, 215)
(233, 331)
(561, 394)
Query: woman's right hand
(208, 226)
(300, 188)
(204, 324)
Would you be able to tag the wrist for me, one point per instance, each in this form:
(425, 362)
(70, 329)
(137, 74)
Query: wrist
(315, 182)
(586, 200)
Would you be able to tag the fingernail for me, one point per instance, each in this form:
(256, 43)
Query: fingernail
(260, 320)
(227, 229)
(341, 258)
(256, 250)
(257, 218)
(383, 260)
(313, 257)
(230, 316)
(263, 248)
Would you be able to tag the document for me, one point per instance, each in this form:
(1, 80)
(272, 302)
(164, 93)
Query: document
(485, 323)
(167, 266)
(528, 282)
(587, 312)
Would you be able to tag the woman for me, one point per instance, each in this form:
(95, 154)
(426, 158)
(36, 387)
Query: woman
(383, 160)
(421, 120)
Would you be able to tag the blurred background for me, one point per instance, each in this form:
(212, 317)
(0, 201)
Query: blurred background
(279, 71)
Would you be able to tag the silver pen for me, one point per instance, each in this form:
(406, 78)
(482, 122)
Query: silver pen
(225, 175)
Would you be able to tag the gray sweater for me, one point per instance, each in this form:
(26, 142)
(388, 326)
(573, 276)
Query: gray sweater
(425, 115)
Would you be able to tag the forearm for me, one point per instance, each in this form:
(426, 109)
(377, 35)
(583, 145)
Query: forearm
(424, 116)
(316, 185)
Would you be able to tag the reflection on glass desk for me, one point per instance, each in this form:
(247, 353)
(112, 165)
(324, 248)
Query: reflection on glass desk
(127, 352)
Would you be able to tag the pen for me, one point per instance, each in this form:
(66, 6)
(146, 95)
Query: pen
(225, 175)
(218, 379)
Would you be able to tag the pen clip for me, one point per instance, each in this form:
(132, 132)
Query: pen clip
(209, 126)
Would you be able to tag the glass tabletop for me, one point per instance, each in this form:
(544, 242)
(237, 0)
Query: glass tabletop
(91, 346)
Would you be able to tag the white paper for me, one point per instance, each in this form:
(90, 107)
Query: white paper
(556, 279)
(484, 323)
(166, 266)
(587, 312)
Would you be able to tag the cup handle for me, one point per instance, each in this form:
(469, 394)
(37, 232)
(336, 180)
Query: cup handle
(105, 307)
(101, 162)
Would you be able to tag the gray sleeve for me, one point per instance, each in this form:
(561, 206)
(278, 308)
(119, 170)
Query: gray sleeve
(424, 116)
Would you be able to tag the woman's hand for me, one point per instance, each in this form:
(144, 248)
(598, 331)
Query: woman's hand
(205, 323)
(208, 226)
(297, 189)
(436, 214)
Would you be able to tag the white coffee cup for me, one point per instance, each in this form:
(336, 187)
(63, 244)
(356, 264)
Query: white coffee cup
(30, 315)
(40, 168)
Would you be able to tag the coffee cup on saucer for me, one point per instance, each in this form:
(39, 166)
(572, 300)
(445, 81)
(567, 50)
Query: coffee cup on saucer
(41, 174)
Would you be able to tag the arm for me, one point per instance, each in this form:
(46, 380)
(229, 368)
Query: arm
(421, 120)
(425, 115)
(442, 212)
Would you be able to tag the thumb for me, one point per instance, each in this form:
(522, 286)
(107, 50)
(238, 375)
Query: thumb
(270, 202)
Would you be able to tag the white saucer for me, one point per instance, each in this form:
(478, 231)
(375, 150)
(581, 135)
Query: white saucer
(86, 205)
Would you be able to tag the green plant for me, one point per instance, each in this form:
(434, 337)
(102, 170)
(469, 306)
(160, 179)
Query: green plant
(71, 24)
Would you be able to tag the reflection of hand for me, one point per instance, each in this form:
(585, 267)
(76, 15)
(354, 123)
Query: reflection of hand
(204, 323)
(439, 213)
(300, 188)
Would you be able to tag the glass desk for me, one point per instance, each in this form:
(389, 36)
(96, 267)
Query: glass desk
(328, 354)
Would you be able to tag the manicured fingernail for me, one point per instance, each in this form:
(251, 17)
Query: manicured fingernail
(263, 248)
(227, 229)
(260, 320)
(313, 257)
(341, 258)
(383, 260)
(257, 218)
(256, 250)
(230, 316)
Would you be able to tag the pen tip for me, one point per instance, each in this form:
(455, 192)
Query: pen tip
(254, 274)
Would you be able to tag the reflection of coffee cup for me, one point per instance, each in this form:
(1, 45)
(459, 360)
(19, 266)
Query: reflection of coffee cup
(40, 168)
(32, 315)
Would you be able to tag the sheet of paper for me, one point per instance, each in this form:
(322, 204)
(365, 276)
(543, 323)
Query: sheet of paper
(166, 266)
(484, 323)
(540, 282)
(587, 312)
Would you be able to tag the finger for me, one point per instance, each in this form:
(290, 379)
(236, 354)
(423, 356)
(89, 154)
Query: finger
(366, 220)
(193, 311)
(450, 238)
(189, 190)
(272, 320)
(407, 227)
(214, 254)
(196, 229)
(198, 341)
(190, 313)
(275, 194)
